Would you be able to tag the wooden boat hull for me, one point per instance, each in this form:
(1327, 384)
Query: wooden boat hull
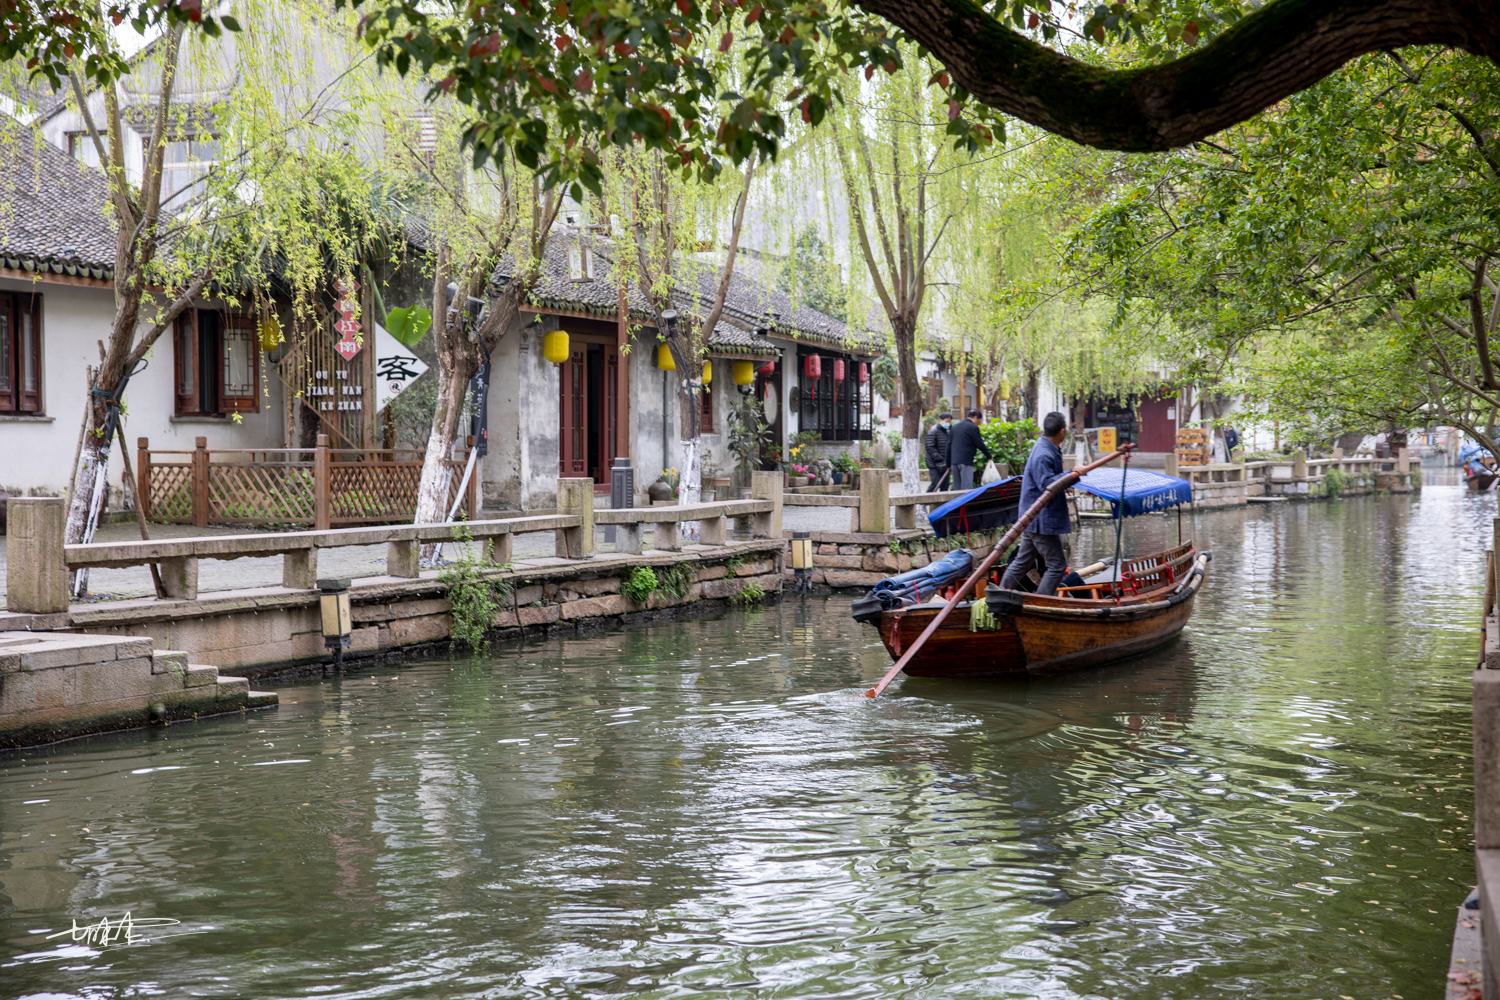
(1047, 635)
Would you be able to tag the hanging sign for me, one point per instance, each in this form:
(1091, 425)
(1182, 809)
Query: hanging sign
(396, 367)
(347, 325)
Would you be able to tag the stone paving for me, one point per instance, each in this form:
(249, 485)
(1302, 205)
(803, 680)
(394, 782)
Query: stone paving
(353, 561)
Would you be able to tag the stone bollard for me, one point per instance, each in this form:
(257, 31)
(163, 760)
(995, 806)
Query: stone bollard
(36, 575)
(576, 497)
(1299, 464)
(1170, 465)
(875, 501)
(766, 486)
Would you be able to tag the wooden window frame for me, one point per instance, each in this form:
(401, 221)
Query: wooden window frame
(21, 308)
(706, 410)
(239, 326)
(195, 356)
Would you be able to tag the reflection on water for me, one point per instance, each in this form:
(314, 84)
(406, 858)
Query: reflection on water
(1276, 805)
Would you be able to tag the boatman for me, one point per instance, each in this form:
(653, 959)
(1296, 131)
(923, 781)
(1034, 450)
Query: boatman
(1042, 539)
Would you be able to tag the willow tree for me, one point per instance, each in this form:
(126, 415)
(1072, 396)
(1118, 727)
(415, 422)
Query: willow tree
(671, 228)
(243, 218)
(479, 218)
(904, 182)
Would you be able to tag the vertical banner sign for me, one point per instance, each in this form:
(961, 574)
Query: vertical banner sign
(1107, 440)
(347, 326)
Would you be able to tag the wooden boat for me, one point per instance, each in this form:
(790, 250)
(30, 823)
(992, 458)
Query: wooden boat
(1016, 634)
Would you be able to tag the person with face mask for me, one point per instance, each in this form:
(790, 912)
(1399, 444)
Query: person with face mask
(937, 452)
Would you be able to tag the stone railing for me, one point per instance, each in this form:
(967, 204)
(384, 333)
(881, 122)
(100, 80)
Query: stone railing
(874, 510)
(38, 563)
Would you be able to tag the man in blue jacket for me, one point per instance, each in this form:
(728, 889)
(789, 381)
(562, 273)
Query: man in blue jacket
(1042, 538)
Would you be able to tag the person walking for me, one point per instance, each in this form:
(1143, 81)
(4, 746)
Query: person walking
(1042, 539)
(937, 452)
(963, 442)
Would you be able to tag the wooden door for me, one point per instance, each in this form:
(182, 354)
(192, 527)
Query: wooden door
(1158, 427)
(573, 448)
(9, 389)
(608, 401)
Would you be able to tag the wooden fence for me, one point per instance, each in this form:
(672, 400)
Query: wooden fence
(318, 488)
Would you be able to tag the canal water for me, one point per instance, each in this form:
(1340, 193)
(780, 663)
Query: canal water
(1276, 805)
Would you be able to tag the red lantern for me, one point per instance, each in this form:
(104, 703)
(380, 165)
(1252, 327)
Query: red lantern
(768, 368)
(838, 370)
(864, 373)
(812, 366)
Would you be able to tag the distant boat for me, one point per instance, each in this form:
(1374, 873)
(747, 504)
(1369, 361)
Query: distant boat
(1479, 467)
(1110, 615)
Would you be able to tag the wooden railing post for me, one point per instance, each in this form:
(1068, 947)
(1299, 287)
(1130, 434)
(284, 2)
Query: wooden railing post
(875, 501)
(200, 482)
(576, 497)
(143, 476)
(320, 484)
(766, 486)
(36, 575)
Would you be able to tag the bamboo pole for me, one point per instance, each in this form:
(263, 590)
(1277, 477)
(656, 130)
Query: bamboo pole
(1059, 484)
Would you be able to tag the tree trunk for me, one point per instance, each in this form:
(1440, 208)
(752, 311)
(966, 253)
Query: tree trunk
(689, 485)
(905, 333)
(437, 475)
(1033, 390)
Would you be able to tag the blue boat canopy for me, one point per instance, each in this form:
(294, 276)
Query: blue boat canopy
(992, 505)
(1144, 492)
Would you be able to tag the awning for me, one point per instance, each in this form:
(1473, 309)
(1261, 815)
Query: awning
(989, 506)
(1144, 492)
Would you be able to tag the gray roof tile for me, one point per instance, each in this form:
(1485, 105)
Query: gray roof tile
(52, 209)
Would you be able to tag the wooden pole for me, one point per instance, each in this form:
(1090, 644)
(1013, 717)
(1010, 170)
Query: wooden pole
(1058, 485)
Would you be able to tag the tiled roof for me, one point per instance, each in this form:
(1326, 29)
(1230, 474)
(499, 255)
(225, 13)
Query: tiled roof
(52, 210)
(750, 305)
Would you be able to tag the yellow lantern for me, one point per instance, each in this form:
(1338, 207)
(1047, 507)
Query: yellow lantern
(270, 333)
(664, 358)
(708, 371)
(1005, 388)
(744, 372)
(555, 346)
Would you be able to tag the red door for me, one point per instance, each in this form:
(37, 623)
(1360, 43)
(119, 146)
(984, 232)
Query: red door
(1158, 427)
(574, 446)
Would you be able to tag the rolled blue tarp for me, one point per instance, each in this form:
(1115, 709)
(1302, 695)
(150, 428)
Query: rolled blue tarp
(916, 586)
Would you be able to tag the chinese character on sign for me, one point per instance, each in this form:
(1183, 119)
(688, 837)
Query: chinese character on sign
(396, 367)
(347, 325)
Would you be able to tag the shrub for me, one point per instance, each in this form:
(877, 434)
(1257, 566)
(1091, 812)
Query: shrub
(675, 580)
(753, 593)
(473, 601)
(1333, 483)
(640, 585)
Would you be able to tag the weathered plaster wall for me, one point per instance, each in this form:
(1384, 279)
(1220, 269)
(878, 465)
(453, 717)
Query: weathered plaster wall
(38, 453)
(520, 472)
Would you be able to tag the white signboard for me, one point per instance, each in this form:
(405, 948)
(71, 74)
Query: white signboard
(396, 367)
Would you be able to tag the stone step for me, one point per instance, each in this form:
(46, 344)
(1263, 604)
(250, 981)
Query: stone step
(169, 661)
(233, 687)
(201, 675)
(262, 699)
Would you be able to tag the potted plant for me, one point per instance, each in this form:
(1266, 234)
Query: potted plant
(800, 475)
(845, 469)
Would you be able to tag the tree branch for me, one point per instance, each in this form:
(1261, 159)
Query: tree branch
(1284, 47)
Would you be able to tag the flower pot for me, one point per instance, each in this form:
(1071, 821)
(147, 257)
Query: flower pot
(797, 481)
(838, 479)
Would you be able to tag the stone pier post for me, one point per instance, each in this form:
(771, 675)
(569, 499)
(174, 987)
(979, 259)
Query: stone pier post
(36, 576)
(576, 497)
(766, 486)
(875, 501)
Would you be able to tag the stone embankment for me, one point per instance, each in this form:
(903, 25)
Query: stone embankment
(54, 685)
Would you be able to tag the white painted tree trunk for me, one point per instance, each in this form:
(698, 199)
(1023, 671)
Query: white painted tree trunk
(437, 474)
(911, 474)
(688, 488)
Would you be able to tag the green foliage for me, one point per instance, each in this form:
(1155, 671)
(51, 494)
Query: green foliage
(408, 324)
(474, 601)
(1010, 442)
(885, 375)
(811, 276)
(750, 437)
(639, 585)
(751, 593)
(734, 563)
(675, 580)
(1334, 483)
(846, 463)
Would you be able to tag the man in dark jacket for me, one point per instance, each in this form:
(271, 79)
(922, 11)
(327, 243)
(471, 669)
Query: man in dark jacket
(937, 451)
(1042, 538)
(963, 442)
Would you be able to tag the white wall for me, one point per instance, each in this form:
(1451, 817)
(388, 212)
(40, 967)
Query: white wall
(36, 455)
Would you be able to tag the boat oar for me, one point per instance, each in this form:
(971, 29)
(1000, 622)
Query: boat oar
(1059, 484)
